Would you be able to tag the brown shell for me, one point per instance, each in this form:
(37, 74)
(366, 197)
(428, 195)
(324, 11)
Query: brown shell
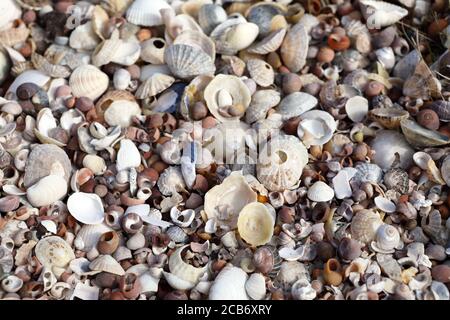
(397, 179)
(389, 117)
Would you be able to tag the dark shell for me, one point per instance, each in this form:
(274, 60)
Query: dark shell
(442, 108)
(262, 15)
(397, 179)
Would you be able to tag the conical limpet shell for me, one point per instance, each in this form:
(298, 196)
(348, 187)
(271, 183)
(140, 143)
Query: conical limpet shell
(255, 224)
(281, 162)
(86, 207)
(88, 81)
(47, 190)
(54, 252)
(295, 48)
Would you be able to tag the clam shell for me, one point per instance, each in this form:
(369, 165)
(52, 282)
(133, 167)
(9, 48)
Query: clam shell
(261, 72)
(89, 235)
(128, 155)
(47, 191)
(320, 192)
(420, 137)
(269, 44)
(316, 127)
(381, 14)
(262, 15)
(145, 13)
(389, 117)
(384, 204)
(357, 108)
(262, 102)
(152, 50)
(255, 286)
(364, 226)
(236, 89)
(229, 285)
(88, 81)
(255, 224)
(235, 38)
(106, 263)
(44, 160)
(210, 16)
(224, 201)
(197, 39)
(295, 48)
(186, 61)
(388, 142)
(121, 112)
(182, 270)
(86, 207)
(154, 85)
(281, 162)
(54, 252)
(295, 104)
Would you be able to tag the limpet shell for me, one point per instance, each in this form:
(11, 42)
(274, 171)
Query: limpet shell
(295, 104)
(88, 81)
(54, 252)
(295, 48)
(364, 225)
(224, 201)
(320, 192)
(47, 190)
(255, 224)
(281, 162)
(261, 72)
(86, 207)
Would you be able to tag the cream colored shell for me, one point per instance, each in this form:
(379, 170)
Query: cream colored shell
(229, 285)
(183, 270)
(255, 224)
(365, 224)
(316, 128)
(54, 252)
(295, 48)
(106, 263)
(47, 190)
(88, 81)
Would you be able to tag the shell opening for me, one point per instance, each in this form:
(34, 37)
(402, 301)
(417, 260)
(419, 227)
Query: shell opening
(282, 156)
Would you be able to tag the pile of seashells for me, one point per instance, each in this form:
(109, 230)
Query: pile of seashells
(200, 149)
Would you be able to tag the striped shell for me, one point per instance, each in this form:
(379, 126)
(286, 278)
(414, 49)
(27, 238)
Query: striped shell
(146, 13)
(187, 61)
(88, 81)
(295, 48)
(269, 44)
(261, 72)
(364, 226)
(262, 102)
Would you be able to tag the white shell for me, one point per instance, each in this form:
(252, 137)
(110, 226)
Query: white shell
(121, 112)
(320, 192)
(10, 11)
(224, 201)
(86, 207)
(121, 79)
(341, 185)
(255, 224)
(146, 13)
(382, 14)
(385, 204)
(387, 239)
(269, 44)
(11, 284)
(83, 38)
(281, 162)
(229, 285)
(295, 104)
(171, 181)
(128, 155)
(388, 142)
(186, 61)
(135, 242)
(84, 291)
(182, 270)
(94, 163)
(153, 50)
(155, 84)
(182, 218)
(255, 286)
(54, 252)
(106, 263)
(47, 191)
(89, 235)
(88, 81)
(316, 128)
(357, 108)
(302, 290)
(445, 170)
(238, 37)
(262, 102)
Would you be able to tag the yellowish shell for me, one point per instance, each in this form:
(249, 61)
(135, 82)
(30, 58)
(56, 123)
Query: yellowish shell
(364, 226)
(255, 224)
(54, 252)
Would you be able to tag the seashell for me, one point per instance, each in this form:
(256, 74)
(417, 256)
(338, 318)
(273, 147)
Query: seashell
(88, 81)
(89, 235)
(281, 162)
(387, 239)
(442, 108)
(106, 263)
(47, 190)
(121, 79)
(45, 123)
(94, 163)
(218, 202)
(384, 204)
(386, 144)
(255, 224)
(382, 14)
(136, 241)
(6, 260)
(365, 225)
(229, 285)
(357, 108)
(390, 266)
(367, 172)
(332, 272)
(54, 252)
(15, 35)
(445, 170)
(302, 290)
(349, 249)
(10, 11)
(83, 37)
(108, 242)
(86, 207)
(122, 253)
(171, 181)
(224, 91)
(262, 102)
(261, 72)
(295, 104)
(210, 16)
(422, 84)
(290, 272)
(316, 127)
(84, 292)
(341, 185)
(419, 137)
(295, 48)
(235, 38)
(425, 162)
(53, 70)
(182, 218)
(187, 61)
(320, 192)
(263, 14)
(439, 291)
(397, 179)
(177, 234)
(267, 260)
(269, 44)
(154, 85)
(144, 13)
(182, 270)
(128, 155)
(11, 284)
(121, 112)
(389, 118)
(44, 160)
(406, 66)
(255, 286)
(152, 50)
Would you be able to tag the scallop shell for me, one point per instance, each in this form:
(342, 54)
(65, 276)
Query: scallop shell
(255, 286)
(381, 14)
(210, 16)
(145, 13)
(261, 72)
(368, 172)
(295, 104)
(316, 127)
(420, 137)
(320, 192)
(281, 162)
(89, 235)
(171, 181)
(389, 117)
(47, 191)
(262, 102)
(44, 160)
(387, 239)
(154, 85)
(295, 48)
(388, 142)
(86, 207)
(128, 155)
(54, 252)
(88, 81)
(186, 61)
(255, 224)
(152, 50)
(234, 87)
(229, 285)
(365, 224)
(269, 44)
(235, 38)
(106, 263)
(224, 201)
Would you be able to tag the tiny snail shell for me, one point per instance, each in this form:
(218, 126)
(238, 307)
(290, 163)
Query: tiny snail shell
(132, 223)
(108, 242)
(12, 284)
(332, 272)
